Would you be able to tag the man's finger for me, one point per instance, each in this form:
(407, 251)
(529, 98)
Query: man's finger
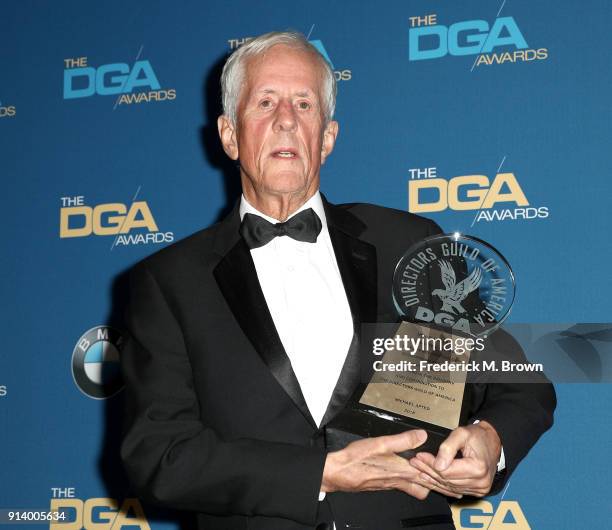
(425, 467)
(428, 458)
(450, 447)
(397, 443)
(460, 468)
(476, 485)
(447, 493)
(440, 487)
(466, 468)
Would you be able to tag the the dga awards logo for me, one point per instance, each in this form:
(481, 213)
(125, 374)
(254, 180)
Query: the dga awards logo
(456, 281)
(500, 198)
(95, 362)
(500, 42)
(341, 74)
(131, 224)
(131, 83)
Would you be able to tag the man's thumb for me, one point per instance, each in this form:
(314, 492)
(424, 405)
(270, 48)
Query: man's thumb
(404, 441)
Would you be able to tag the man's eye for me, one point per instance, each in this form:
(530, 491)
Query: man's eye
(304, 105)
(266, 104)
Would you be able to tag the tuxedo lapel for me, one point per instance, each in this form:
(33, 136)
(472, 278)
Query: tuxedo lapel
(357, 263)
(237, 278)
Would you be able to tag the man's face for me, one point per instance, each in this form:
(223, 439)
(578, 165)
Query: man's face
(280, 137)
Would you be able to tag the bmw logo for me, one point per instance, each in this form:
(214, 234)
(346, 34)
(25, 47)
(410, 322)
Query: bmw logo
(95, 362)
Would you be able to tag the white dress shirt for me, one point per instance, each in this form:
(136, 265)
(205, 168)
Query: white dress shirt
(303, 288)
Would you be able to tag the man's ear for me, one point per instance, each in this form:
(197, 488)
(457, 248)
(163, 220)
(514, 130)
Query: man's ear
(227, 134)
(329, 140)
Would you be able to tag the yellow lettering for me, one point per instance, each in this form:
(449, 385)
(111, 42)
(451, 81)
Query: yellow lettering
(480, 514)
(515, 195)
(103, 523)
(123, 519)
(518, 520)
(67, 213)
(107, 516)
(476, 195)
(414, 204)
(146, 221)
(57, 505)
(484, 507)
(113, 223)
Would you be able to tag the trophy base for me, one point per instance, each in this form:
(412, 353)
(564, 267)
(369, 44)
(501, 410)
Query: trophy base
(355, 424)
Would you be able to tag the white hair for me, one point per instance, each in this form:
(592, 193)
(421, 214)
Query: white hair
(232, 77)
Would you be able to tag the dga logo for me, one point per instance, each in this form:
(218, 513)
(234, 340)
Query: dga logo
(111, 219)
(343, 74)
(429, 40)
(137, 83)
(7, 111)
(481, 514)
(100, 513)
(95, 362)
(454, 281)
(491, 199)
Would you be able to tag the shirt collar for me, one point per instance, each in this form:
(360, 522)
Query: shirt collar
(315, 202)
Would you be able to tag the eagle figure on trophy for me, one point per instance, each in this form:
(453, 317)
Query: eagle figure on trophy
(455, 292)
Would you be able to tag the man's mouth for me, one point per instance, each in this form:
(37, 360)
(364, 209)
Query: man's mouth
(284, 153)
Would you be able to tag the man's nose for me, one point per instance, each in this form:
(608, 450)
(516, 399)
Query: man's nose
(285, 119)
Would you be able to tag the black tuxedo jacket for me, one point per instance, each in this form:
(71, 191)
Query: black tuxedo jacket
(216, 422)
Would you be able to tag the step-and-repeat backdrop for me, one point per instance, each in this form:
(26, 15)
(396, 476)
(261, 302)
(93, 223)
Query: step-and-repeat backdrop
(492, 117)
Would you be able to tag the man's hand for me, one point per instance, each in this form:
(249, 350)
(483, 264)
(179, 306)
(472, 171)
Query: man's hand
(372, 464)
(473, 474)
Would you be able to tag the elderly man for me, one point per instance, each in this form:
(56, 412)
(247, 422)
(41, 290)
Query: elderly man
(243, 337)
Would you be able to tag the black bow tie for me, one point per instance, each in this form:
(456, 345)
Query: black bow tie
(257, 232)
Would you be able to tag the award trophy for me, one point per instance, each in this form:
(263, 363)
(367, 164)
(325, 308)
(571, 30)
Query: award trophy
(449, 290)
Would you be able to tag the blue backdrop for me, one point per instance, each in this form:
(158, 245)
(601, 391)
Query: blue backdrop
(491, 117)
